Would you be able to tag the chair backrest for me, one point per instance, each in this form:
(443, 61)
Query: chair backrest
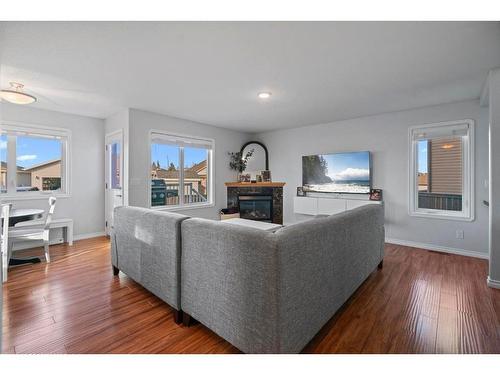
(52, 207)
(5, 217)
(4, 244)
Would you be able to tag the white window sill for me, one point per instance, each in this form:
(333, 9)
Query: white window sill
(182, 208)
(29, 197)
(441, 215)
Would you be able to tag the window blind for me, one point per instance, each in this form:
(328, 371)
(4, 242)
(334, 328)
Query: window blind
(34, 132)
(166, 139)
(460, 130)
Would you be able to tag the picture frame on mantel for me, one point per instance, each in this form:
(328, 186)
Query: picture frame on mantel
(266, 176)
(245, 178)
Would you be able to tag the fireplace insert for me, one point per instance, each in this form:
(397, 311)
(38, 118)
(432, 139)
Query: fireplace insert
(256, 207)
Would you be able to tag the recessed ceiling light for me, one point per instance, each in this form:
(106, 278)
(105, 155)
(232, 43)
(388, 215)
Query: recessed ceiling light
(264, 95)
(15, 94)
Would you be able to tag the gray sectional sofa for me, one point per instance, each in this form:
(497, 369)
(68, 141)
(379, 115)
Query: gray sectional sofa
(146, 245)
(263, 292)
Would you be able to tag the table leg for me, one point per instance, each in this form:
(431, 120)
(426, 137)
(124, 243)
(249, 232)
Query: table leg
(69, 234)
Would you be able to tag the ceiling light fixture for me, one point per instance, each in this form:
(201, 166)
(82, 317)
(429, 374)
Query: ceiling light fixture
(447, 146)
(15, 94)
(264, 95)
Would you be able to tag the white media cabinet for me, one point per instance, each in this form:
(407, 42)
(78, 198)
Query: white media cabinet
(314, 205)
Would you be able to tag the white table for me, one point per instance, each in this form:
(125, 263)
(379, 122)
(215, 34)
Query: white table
(23, 214)
(262, 225)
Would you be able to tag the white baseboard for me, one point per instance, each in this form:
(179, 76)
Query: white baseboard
(444, 249)
(85, 236)
(23, 245)
(493, 283)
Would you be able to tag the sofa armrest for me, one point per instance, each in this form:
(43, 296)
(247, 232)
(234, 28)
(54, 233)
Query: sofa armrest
(146, 245)
(322, 262)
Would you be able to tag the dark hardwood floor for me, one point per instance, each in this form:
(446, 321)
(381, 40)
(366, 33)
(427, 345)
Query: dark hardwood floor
(420, 302)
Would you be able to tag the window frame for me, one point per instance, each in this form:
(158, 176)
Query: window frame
(36, 129)
(210, 172)
(468, 181)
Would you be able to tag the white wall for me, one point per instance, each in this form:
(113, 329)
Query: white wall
(386, 136)
(142, 122)
(494, 110)
(86, 203)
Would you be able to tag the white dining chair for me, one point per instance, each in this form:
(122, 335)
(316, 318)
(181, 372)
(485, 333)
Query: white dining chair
(4, 238)
(38, 232)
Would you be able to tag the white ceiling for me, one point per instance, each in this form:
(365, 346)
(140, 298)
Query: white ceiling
(211, 72)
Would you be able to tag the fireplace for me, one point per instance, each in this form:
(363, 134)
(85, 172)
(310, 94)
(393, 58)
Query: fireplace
(256, 207)
(257, 201)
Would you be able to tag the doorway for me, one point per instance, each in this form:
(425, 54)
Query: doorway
(114, 176)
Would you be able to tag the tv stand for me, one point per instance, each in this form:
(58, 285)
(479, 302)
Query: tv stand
(327, 205)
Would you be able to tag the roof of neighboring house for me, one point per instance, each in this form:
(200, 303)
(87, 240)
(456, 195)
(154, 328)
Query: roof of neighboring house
(163, 173)
(40, 165)
(192, 172)
(199, 166)
(19, 168)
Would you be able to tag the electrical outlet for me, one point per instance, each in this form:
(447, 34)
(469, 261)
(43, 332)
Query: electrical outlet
(460, 234)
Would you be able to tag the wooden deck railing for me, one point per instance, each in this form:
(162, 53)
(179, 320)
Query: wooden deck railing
(440, 201)
(169, 195)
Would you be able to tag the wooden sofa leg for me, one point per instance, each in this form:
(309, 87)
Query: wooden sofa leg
(178, 316)
(116, 271)
(381, 264)
(186, 319)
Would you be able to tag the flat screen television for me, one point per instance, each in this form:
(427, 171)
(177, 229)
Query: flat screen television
(348, 172)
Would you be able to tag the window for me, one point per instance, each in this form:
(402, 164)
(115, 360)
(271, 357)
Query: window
(181, 171)
(115, 166)
(34, 161)
(441, 170)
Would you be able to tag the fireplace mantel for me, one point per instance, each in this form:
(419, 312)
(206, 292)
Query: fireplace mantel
(255, 184)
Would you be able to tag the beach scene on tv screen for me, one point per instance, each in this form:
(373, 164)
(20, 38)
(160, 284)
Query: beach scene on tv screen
(337, 173)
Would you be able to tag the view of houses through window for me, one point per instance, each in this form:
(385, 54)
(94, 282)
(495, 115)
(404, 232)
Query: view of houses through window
(440, 174)
(37, 163)
(179, 167)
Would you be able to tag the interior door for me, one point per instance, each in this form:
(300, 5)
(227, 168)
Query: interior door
(114, 176)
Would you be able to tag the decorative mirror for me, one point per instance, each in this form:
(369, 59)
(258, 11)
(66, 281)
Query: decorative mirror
(259, 160)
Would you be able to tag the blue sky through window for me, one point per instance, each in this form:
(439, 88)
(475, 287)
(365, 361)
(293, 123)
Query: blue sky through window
(31, 150)
(194, 156)
(422, 156)
(166, 154)
(3, 148)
